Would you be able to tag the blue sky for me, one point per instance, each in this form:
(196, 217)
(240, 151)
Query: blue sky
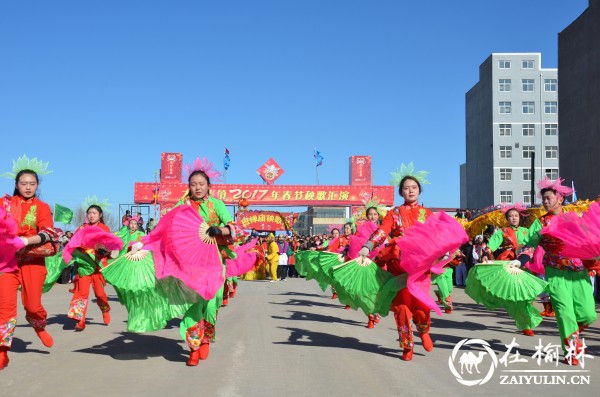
(100, 88)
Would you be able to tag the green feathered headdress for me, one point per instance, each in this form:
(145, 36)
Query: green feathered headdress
(409, 170)
(93, 200)
(352, 222)
(374, 202)
(25, 163)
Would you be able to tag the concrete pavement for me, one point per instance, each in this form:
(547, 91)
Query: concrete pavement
(289, 339)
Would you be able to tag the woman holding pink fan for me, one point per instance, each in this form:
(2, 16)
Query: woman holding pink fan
(568, 280)
(191, 244)
(90, 246)
(198, 323)
(414, 250)
(26, 226)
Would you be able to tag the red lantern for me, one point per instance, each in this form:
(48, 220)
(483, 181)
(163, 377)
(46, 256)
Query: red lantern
(244, 203)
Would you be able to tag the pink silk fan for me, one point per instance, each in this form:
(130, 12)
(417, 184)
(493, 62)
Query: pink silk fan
(91, 237)
(243, 262)
(188, 253)
(422, 245)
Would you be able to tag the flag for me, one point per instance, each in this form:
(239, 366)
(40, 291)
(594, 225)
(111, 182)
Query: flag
(574, 198)
(318, 158)
(226, 160)
(62, 214)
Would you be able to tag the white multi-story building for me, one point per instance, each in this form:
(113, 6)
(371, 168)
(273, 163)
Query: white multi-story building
(511, 116)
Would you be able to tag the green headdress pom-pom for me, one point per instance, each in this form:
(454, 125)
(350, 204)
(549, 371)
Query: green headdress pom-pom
(409, 170)
(25, 163)
(93, 200)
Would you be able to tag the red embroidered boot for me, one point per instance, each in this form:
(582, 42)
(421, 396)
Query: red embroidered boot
(371, 323)
(204, 350)
(194, 357)
(528, 332)
(427, 342)
(407, 355)
(548, 310)
(80, 325)
(106, 317)
(377, 318)
(574, 348)
(45, 337)
(334, 296)
(3, 357)
(347, 307)
(225, 302)
(448, 305)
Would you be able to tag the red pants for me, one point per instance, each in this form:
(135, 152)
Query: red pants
(31, 279)
(405, 308)
(79, 302)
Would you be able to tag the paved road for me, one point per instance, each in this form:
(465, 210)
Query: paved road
(282, 339)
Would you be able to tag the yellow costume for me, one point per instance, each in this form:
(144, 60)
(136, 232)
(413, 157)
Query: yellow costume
(272, 257)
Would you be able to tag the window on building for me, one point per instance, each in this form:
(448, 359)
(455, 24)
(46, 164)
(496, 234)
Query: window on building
(528, 151)
(505, 152)
(505, 107)
(551, 107)
(505, 174)
(527, 174)
(551, 152)
(506, 196)
(504, 64)
(527, 196)
(504, 85)
(527, 85)
(551, 129)
(528, 107)
(550, 85)
(552, 173)
(505, 129)
(527, 64)
(528, 129)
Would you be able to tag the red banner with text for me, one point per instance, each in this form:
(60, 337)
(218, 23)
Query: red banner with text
(264, 220)
(284, 195)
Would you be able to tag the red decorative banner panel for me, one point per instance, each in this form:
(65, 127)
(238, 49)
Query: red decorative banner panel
(270, 171)
(360, 170)
(170, 167)
(284, 195)
(264, 220)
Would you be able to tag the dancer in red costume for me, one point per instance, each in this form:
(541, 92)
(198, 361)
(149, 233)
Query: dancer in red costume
(90, 275)
(32, 217)
(338, 244)
(404, 306)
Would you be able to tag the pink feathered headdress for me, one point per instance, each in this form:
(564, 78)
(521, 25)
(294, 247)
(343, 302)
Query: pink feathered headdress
(548, 183)
(135, 218)
(519, 207)
(201, 165)
(331, 227)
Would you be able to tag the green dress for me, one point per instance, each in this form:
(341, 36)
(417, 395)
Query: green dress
(150, 303)
(203, 314)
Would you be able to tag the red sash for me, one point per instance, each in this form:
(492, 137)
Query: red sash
(509, 254)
